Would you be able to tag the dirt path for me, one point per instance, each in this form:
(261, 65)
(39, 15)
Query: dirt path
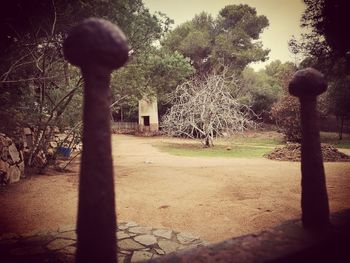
(215, 198)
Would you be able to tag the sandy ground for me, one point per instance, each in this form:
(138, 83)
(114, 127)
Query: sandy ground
(215, 198)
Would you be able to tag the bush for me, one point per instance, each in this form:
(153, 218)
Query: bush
(287, 116)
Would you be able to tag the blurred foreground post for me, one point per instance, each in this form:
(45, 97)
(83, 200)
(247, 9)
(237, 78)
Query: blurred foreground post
(307, 84)
(97, 47)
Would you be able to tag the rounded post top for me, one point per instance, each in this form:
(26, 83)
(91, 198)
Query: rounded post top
(96, 42)
(307, 82)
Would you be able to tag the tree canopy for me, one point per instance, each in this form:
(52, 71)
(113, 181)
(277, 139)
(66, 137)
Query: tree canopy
(229, 40)
(327, 48)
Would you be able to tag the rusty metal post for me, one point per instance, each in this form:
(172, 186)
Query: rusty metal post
(307, 84)
(97, 47)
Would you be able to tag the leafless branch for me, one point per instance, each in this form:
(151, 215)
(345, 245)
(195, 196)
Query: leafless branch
(205, 109)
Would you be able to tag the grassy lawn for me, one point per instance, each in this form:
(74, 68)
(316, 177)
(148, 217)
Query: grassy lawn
(248, 145)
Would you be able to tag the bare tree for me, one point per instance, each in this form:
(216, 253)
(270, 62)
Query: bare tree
(207, 108)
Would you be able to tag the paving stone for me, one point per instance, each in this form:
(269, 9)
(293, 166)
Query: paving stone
(125, 252)
(70, 250)
(146, 240)
(140, 230)
(168, 246)
(45, 232)
(59, 244)
(141, 256)
(131, 224)
(68, 235)
(38, 239)
(122, 235)
(166, 233)
(27, 250)
(129, 244)
(121, 259)
(185, 238)
(66, 228)
(29, 234)
(124, 227)
(159, 251)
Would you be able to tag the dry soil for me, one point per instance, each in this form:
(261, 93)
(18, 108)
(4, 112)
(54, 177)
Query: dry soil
(215, 198)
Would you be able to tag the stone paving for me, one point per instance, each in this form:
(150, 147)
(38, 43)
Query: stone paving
(136, 243)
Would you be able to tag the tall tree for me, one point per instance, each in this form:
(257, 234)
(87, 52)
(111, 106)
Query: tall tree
(229, 40)
(327, 48)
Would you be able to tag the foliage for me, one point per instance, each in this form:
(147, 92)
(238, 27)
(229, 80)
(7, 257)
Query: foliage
(263, 88)
(229, 40)
(338, 96)
(286, 113)
(155, 73)
(327, 48)
(37, 87)
(205, 109)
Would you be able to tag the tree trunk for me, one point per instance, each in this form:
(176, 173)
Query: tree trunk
(341, 127)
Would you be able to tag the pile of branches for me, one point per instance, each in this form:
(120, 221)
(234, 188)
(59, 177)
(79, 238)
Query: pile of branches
(292, 152)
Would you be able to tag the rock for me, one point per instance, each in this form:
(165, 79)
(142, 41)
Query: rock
(185, 238)
(122, 235)
(125, 252)
(27, 131)
(146, 240)
(131, 224)
(140, 230)
(68, 235)
(121, 259)
(166, 233)
(129, 244)
(14, 174)
(53, 144)
(124, 227)
(70, 250)
(4, 166)
(13, 152)
(66, 228)
(168, 246)
(20, 166)
(60, 243)
(159, 251)
(141, 256)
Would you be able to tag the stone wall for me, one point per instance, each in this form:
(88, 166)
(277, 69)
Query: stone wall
(11, 161)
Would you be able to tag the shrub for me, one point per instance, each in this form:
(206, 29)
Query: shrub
(287, 116)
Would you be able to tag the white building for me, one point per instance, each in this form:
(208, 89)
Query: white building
(148, 115)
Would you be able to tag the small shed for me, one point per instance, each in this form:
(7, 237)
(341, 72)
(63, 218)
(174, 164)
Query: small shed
(148, 115)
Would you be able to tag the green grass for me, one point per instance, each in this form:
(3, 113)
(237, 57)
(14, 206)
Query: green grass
(239, 147)
(250, 145)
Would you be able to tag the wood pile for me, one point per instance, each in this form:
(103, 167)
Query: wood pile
(292, 152)
(11, 161)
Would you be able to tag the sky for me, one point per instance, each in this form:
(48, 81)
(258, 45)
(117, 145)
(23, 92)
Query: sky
(283, 15)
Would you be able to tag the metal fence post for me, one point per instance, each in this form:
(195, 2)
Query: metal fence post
(97, 47)
(307, 84)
